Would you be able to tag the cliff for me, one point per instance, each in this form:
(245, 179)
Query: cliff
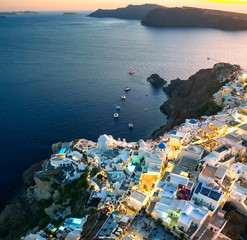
(129, 12)
(195, 17)
(45, 200)
(193, 98)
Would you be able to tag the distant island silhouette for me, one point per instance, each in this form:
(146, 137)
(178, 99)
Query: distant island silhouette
(18, 13)
(184, 17)
(130, 12)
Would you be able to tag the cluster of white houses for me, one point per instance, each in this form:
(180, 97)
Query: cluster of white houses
(184, 178)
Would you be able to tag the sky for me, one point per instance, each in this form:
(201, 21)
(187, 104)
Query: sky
(61, 5)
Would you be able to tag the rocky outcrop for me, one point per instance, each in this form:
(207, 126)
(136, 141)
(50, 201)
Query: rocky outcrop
(129, 12)
(155, 79)
(195, 17)
(56, 147)
(28, 175)
(193, 98)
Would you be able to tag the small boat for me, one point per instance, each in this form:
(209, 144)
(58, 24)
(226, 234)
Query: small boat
(123, 97)
(145, 109)
(127, 89)
(116, 115)
(132, 72)
(118, 107)
(130, 125)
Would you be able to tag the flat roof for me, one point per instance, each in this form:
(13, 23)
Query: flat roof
(222, 149)
(209, 171)
(217, 221)
(243, 127)
(207, 192)
(141, 197)
(217, 124)
(208, 235)
(194, 149)
(188, 162)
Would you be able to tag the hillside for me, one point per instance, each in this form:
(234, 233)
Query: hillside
(195, 17)
(129, 12)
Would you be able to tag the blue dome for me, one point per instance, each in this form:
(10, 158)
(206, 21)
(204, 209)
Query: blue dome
(193, 121)
(162, 146)
(174, 132)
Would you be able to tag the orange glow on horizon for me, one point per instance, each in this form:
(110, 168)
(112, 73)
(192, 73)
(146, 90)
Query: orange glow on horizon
(229, 1)
(82, 5)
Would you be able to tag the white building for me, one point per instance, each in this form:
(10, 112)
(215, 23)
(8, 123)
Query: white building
(207, 197)
(211, 174)
(192, 151)
(106, 142)
(137, 200)
(192, 215)
(238, 170)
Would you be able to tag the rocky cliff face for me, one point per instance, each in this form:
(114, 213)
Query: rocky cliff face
(129, 12)
(194, 97)
(195, 17)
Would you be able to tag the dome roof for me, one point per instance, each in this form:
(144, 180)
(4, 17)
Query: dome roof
(162, 146)
(193, 121)
(103, 138)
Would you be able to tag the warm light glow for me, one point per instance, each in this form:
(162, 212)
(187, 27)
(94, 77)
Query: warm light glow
(79, 5)
(229, 1)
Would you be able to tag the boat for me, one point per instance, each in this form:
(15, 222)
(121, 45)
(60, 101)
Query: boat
(130, 125)
(116, 115)
(145, 109)
(132, 72)
(127, 89)
(123, 97)
(118, 107)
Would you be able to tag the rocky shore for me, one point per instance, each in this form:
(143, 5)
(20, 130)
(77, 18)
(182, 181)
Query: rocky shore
(45, 196)
(189, 17)
(193, 98)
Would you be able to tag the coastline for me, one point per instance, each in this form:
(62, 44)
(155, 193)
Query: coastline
(221, 73)
(193, 98)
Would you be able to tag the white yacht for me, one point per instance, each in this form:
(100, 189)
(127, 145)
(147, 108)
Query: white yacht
(116, 115)
(127, 89)
(130, 125)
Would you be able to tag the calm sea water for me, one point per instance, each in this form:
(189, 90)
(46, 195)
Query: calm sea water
(62, 75)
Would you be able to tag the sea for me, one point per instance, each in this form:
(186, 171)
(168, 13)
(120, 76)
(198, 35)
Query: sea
(61, 77)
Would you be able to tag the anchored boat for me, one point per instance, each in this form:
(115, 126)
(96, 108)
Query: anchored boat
(116, 115)
(130, 125)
